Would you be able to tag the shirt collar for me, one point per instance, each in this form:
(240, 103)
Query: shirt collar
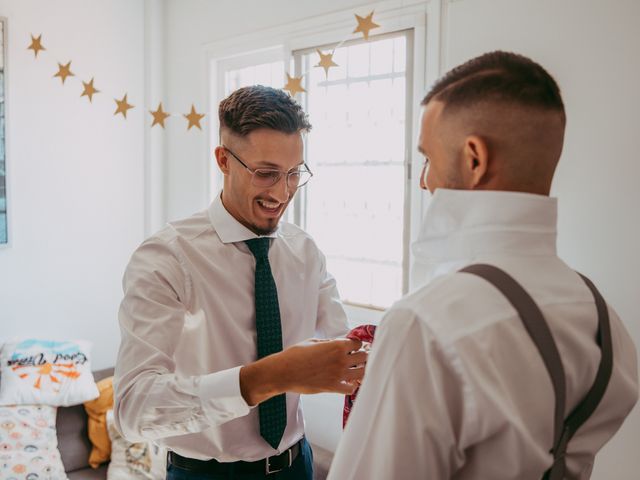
(227, 227)
(461, 225)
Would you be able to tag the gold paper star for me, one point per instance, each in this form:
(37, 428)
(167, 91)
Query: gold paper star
(365, 24)
(36, 45)
(64, 71)
(123, 106)
(294, 85)
(89, 90)
(194, 118)
(326, 61)
(159, 116)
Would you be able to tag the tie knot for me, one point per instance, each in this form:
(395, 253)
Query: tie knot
(259, 247)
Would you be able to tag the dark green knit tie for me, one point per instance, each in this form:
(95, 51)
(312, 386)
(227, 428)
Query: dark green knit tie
(273, 412)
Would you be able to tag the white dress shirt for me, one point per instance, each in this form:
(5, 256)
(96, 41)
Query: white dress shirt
(188, 324)
(455, 387)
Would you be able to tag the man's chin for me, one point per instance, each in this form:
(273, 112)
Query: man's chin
(266, 228)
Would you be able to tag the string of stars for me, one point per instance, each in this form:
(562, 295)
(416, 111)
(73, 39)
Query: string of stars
(293, 85)
(365, 25)
(122, 105)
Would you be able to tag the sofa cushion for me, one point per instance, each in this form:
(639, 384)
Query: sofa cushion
(28, 443)
(73, 437)
(130, 461)
(46, 372)
(97, 411)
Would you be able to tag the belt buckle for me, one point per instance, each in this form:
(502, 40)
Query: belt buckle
(268, 470)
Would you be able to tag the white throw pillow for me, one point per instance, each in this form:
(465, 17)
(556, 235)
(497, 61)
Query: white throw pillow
(28, 443)
(129, 461)
(44, 372)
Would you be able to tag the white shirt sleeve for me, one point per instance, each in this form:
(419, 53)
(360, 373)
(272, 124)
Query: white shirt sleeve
(151, 400)
(408, 414)
(332, 320)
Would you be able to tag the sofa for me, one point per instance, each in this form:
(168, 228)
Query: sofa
(74, 445)
(73, 439)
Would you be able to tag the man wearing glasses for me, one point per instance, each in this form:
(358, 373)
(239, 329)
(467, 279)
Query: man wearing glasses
(218, 308)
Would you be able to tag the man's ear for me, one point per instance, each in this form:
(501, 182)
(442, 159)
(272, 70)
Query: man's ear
(222, 159)
(476, 159)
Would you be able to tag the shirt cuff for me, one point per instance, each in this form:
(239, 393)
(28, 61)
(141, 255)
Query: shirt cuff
(220, 395)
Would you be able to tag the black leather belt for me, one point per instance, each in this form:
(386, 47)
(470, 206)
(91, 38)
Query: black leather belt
(267, 466)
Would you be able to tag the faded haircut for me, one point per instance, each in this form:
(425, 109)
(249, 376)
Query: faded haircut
(498, 76)
(251, 108)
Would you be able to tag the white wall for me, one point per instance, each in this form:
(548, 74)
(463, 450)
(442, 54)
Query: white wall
(75, 172)
(591, 47)
(593, 50)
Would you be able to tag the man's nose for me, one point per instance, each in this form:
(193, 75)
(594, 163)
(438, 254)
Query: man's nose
(280, 190)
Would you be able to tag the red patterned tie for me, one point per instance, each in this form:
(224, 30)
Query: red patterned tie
(364, 333)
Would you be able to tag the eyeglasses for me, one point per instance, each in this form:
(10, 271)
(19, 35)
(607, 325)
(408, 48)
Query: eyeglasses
(267, 177)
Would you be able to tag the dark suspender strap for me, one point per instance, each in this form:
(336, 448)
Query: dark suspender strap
(590, 402)
(537, 328)
(541, 335)
(585, 409)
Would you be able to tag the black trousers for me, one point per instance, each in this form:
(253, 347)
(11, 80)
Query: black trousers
(301, 469)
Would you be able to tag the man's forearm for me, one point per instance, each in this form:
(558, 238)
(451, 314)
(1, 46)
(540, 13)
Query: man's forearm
(313, 366)
(259, 381)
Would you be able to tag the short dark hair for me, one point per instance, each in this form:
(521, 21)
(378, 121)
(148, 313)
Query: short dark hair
(497, 76)
(250, 108)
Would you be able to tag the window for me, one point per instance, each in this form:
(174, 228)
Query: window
(356, 206)
(362, 207)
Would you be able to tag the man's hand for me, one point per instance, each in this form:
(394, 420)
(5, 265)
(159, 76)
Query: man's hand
(313, 366)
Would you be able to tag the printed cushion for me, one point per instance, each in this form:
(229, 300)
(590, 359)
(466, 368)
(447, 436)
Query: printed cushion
(97, 424)
(28, 444)
(131, 461)
(42, 372)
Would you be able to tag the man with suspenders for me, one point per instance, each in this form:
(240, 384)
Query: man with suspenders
(505, 364)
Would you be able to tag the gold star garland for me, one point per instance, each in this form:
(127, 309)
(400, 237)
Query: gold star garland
(293, 85)
(89, 90)
(326, 61)
(123, 106)
(194, 118)
(365, 25)
(64, 71)
(36, 45)
(159, 116)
